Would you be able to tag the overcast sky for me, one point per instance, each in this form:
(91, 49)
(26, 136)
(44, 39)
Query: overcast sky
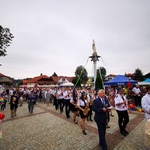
(56, 36)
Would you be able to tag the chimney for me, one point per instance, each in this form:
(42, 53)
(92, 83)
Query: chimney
(41, 74)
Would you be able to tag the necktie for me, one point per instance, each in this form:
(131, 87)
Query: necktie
(103, 101)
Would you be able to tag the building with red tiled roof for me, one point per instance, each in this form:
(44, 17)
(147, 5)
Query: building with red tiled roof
(45, 80)
(37, 78)
(109, 77)
(5, 80)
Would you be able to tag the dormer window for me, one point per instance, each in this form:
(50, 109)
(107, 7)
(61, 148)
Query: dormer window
(63, 79)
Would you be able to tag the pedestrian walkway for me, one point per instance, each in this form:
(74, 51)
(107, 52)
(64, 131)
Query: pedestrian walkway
(47, 129)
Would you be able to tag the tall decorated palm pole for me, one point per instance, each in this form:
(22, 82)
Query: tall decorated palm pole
(94, 58)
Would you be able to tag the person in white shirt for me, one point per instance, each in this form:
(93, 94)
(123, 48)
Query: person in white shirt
(67, 96)
(146, 108)
(56, 98)
(82, 104)
(74, 102)
(61, 98)
(146, 103)
(121, 105)
(137, 95)
(90, 99)
(47, 96)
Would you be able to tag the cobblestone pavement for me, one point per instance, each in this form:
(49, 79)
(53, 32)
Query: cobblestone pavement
(47, 129)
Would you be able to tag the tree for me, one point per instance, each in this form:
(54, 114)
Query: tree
(138, 75)
(98, 82)
(82, 74)
(17, 83)
(5, 40)
(103, 72)
(76, 81)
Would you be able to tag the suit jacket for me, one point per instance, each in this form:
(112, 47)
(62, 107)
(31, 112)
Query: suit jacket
(97, 107)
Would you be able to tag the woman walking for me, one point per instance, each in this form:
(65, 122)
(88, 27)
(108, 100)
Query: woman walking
(83, 107)
(74, 107)
(31, 102)
(13, 104)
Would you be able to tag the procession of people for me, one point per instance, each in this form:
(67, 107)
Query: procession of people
(82, 102)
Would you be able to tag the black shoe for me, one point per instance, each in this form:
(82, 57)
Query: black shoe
(123, 133)
(76, 122)
(84, 132)
(126, 132)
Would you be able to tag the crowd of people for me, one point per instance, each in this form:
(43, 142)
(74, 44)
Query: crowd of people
(82, 102)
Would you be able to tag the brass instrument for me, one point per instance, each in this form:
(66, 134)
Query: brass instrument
(76, 106)
(91, 101)
(86, 109)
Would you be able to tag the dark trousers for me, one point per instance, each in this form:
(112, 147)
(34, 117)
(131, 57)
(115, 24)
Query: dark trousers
(137, 100)
(56, 103)
(31, 107)
(54, 100)
(89, 116)
(102, 131)
(61, 105)
(67, 107)
(123, 119)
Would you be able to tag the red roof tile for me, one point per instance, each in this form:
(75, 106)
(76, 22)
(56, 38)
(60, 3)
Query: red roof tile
(35, 79)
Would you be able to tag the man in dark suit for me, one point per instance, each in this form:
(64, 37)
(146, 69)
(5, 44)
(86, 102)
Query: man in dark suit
(100, 107)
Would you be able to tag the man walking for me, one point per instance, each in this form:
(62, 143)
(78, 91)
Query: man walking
(100, 106)
(146, 108)
(146, 103)
(121, 105)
